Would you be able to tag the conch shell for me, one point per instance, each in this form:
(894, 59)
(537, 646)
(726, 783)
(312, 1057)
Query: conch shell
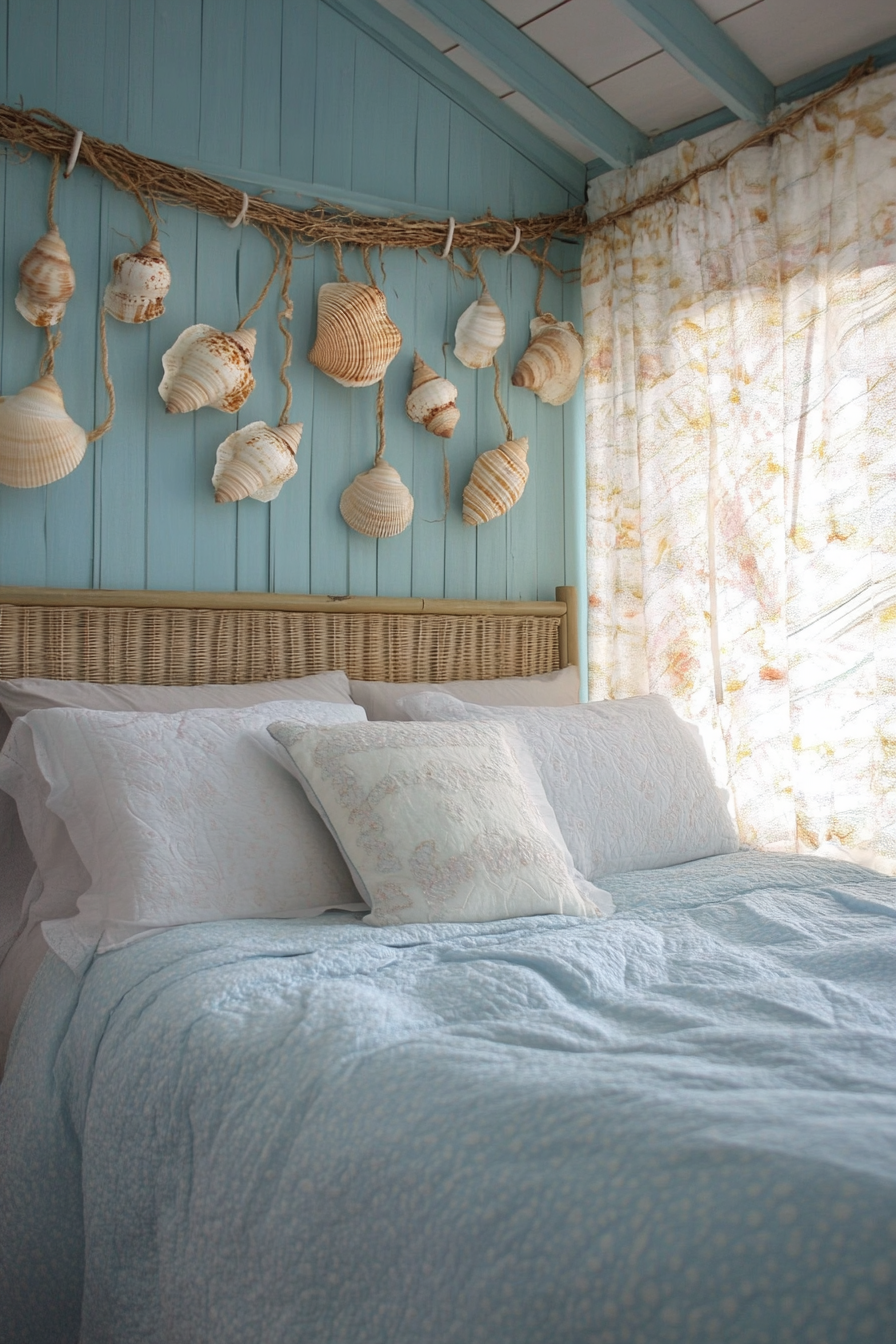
(479, 332)
(356, 339)
(39, 442)
(255, 461)
(207, 367)
(431, 400)
(140, 281)
(377, 503)
(498, 479)
(46, 281)
(552, 362)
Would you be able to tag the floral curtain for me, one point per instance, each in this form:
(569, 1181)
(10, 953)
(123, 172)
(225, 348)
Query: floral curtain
(741, 405)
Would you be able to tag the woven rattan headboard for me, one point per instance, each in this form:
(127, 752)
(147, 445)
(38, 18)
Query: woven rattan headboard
(187, 639)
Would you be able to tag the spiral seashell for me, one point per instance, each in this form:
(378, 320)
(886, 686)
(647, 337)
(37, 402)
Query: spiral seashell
(140, 281)
(255, 462)
(479, 332)
(207, 367)
(498, 480)
(39, 442)
(552, 362)
(431, 400)
(377, 503)
(356, 339)
(46, 281)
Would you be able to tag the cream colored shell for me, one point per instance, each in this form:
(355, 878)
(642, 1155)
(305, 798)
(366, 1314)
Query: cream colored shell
(356, 339)
(431, 400)
(39, 442)
(255, 462)
(552, 362)
(207, 367)
(140, 281)
(499, 478)
(377, 503)
(479, 332)
(46, 281)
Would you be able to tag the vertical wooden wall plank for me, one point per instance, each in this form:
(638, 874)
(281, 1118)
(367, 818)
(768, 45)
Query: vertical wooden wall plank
(298, 89)
(334, 98)
(177, 63)
(332, 465)
(290, 511)
(261, 93)
(522, 555)
(253, 517)
(142, 29)
(221, 85)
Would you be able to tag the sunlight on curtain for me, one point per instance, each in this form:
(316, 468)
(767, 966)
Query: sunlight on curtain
(741, 403)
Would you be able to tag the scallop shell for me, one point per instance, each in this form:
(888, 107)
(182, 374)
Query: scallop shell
(552, 362)
(356, 339)
(499, 478)
(255, 461)
(377, 503)
(39, 442)
(431, 400)
(140, 281)
(479, 332)
(46, 281)
(207, 367)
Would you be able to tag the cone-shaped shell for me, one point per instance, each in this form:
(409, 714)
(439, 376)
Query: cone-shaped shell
(356, 339)
(254, 462)
(499, 478)
(377, 502)
(46, 281)
(207, 367)
(479, 332)
(552, 362)
(39, 442)
(431, 401)
(140, 281)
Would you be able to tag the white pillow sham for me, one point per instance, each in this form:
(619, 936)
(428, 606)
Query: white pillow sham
(381, 698)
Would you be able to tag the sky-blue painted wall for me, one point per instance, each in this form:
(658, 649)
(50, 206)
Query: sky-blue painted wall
(266, 90)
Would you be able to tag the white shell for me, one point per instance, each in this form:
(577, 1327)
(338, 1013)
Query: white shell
(46, 281)
(553, 360)
(431, 400)
(356, 339)
(140, 281)
(207, 367)
(479, 332)
(255, 462)
(39, 442)
(377, 503)
(498, 480)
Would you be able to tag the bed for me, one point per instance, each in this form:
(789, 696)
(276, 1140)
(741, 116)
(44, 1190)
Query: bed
(675, 1123)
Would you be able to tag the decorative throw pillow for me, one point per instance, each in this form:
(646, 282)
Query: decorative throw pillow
(381, 698)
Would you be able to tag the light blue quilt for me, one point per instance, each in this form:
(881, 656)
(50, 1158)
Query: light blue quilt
(675, 1124)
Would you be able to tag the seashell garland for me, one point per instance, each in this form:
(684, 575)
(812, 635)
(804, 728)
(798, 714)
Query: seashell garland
(377, 503)
(552, 362)
(479, 332)
(46, 281)
(497, 482)
(255, 462)
(207, 367)
(39, 442)
(356, 339)
(431, 401)
(140, 281)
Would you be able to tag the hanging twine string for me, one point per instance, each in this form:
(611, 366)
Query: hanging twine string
(380, 422)
(267, 285)
(365, 257)
(508, 432)
(542, 270)
(110, 390)
(337, 257)
(48, 361)
(284, 316)
(51, 194)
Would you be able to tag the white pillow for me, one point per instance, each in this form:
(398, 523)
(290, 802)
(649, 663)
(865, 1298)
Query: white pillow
(436, 822)
(381, 698)
(628, 780)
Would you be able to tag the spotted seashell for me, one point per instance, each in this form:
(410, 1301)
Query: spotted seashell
(377, 503)
(356, 339)
(552, 362)
(207, 367)
(255, 462)
(46, 281)
(39, 442)
(140, 281)
(497, 482)
(431, 401)
(479, 332)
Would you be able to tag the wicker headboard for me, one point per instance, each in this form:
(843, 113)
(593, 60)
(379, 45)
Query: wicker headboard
(187, 639)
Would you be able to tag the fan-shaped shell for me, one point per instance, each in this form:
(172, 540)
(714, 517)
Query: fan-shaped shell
(140, 281)
(39, 442)
(499, 478)
(207, 367)
(255, 462)
(552, 362)
(479, 332)
(431, 400)
(356, 339)
(377, 502)
(46, 281)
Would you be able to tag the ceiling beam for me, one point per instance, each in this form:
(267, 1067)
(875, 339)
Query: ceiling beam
(707, 52)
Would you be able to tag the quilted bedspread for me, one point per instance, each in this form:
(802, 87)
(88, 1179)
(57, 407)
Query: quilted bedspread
(675, 1124)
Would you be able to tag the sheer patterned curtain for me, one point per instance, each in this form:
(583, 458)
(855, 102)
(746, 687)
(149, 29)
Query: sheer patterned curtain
(741, 403)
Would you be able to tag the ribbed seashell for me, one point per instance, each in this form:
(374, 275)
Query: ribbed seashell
(39, 442)
(255, 461)
(140, 281)
(46, 281)
(431, 400)
(207, 367)
(479, 332)
(377, 503)
(499, 478)
(356, 339)
(552, 361)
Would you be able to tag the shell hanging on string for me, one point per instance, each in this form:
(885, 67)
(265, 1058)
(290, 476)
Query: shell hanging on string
(431, 400)
(140, 281)
(39, 441)
(479, 332)
(356, 339)
(255, 461)
(46, 281)
(552, 362)
(497, 482)
(377, 503)
(207, 367)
